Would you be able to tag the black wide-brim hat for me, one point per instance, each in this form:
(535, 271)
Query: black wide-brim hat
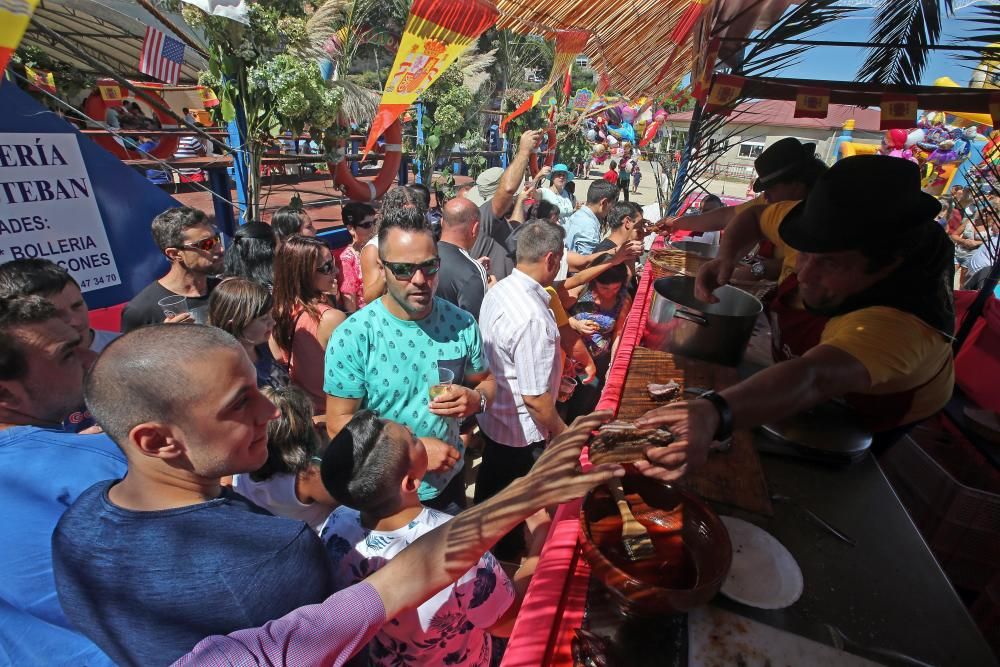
(860, 202)
(781, 160)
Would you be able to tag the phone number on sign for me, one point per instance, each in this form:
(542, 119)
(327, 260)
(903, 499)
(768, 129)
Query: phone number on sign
(107, 279)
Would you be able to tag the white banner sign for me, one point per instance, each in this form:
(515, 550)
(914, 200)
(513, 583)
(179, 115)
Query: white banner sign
(48, 210)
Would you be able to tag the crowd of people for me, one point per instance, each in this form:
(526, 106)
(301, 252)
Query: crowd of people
(268, 462)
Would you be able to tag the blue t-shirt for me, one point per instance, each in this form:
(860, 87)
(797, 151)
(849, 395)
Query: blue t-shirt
(42, 472)
(148, 586)
(385, 361)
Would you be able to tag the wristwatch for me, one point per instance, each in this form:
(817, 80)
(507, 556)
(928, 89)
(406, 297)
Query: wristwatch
(757, 268)
(725, 428)
(482, 401)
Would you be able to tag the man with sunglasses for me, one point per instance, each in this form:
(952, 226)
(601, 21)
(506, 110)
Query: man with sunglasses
(192, 245)
(386, 356)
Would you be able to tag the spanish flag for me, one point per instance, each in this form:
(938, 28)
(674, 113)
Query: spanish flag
(726, 89)
(14, 18)
(41, 80)
(208, 98)
(995, 110)
(436, 33)
(110, 92)
(811, 102)
(898, 111)
(569, 43)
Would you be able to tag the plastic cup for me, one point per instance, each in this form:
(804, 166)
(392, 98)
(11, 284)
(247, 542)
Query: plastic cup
(173, 305)
(199, 314)
(439, 381)
(566, 388)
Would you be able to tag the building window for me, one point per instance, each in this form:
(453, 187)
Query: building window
(582, 61)
(751, 149)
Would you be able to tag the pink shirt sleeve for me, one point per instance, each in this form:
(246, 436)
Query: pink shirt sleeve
(350, 271)
(319, 634)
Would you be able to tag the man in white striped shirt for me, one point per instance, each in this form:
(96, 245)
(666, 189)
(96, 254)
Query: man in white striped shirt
(521, 341)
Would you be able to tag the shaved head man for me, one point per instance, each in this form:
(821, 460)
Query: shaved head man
(148, 565)
(462, 280)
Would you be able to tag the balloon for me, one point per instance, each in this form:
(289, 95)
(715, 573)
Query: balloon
(650, 132)
(896, 138)
(660, 116)
(591, 135)
(914, 137)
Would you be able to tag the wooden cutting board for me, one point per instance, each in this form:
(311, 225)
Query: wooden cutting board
(734, 478)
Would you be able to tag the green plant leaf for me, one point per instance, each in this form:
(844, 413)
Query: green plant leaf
(433, 141)
(227, 108)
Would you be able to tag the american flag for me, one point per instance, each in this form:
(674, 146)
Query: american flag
(161, 56)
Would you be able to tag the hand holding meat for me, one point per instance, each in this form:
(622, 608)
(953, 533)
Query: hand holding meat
(692, 423)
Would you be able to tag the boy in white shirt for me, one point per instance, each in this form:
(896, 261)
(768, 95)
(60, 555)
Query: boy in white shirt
(374, 467)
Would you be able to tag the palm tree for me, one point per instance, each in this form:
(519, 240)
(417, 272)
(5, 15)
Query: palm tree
(901, 32)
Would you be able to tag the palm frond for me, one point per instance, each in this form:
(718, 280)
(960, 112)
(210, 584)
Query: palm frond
(986, 34)
(904, 29)
(360, 104)
(476, 67)
(771, 54)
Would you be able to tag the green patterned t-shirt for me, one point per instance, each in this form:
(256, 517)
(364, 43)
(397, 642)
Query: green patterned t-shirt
(385, 361)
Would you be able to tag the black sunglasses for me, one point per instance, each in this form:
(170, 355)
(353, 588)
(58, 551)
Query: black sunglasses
(406, 270)
(363, 225)
(326, 268)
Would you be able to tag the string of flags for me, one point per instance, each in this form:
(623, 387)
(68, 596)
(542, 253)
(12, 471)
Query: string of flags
(898, 110)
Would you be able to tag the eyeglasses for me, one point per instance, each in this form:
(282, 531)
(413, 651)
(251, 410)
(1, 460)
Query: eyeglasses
(365, 225)
(406, 270)
(326, 268)
(205, 245)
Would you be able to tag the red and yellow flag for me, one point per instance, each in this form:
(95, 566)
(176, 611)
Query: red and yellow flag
(437, 32)
(995, 110)
(110, 92)
(208, 98)
(726, 89)
(14, 18)
(40, 79)
(898, 111)
(687, 20)
(706, 67)
(569, 43)
(811, 102)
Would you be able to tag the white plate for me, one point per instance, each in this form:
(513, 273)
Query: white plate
(764, 574)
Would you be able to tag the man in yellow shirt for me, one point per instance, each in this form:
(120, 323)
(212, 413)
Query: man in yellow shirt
(786, 171)
(864, 311)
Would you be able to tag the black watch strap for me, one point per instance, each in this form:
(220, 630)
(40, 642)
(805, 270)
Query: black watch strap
(725, 429)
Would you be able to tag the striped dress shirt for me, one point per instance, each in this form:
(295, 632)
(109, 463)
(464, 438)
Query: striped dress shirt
(521, 341)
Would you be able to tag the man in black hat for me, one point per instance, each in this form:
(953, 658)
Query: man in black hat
(786, 171)
(864, 311)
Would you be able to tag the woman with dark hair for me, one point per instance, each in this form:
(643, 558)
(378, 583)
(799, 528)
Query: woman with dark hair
(290, 221)
(605, 302)
(304, 277)
(242, 308)
(251, 254)
(360, 220)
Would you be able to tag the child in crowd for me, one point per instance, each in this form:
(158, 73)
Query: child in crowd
(374, 467)
(636, 176)
(605, 302)
(289, 483)
(242, 307)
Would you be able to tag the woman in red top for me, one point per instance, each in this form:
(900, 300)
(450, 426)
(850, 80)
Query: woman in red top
(305, 277)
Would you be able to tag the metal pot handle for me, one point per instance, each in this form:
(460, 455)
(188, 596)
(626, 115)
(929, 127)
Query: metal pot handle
(691, 317)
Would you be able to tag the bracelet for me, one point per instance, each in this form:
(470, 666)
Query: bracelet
(482, 401)
(725, 429)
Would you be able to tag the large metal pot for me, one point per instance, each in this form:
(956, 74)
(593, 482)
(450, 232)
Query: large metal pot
(716, 332)
(703, 250)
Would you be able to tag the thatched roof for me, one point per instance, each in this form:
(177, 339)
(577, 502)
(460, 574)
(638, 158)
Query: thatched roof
(631, 40)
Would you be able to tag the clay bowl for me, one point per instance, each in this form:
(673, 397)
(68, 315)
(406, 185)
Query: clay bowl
(693, 548)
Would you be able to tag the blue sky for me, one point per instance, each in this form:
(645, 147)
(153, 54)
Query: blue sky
(842, 63)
